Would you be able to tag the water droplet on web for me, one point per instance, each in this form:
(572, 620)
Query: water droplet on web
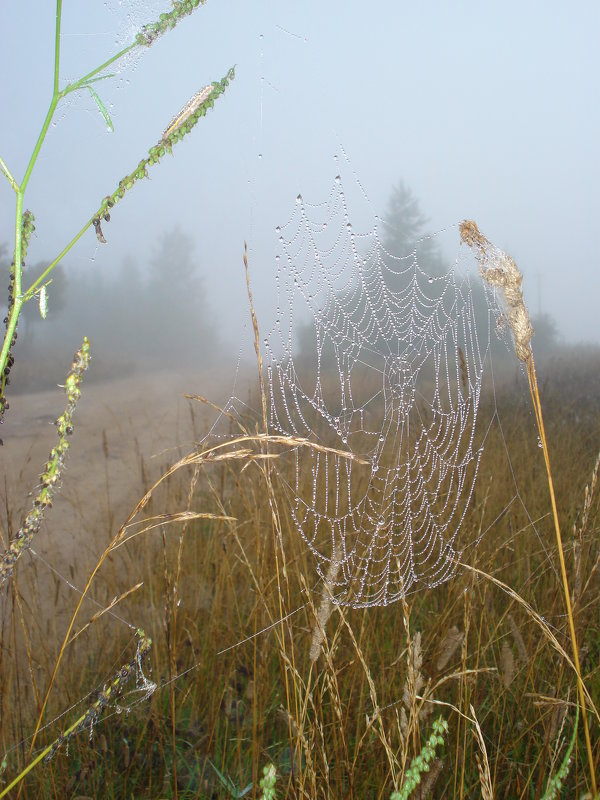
(260, 155)
(276, 258)
(429, 280)
(349, 226)
(324, 225)
(338, 179)
(299, 199)
(540, 443)
(278, 229)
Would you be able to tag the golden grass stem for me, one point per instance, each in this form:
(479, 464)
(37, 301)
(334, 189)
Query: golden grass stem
(275, 519)
(537, 406)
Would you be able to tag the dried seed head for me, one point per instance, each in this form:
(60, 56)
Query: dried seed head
(499, 270)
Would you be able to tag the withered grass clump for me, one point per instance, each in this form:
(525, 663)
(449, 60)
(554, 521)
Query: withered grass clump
(250, 670)
(229, 600)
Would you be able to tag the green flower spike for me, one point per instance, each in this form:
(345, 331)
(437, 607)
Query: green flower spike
(174, 133)
(53, 468)
(421, 763)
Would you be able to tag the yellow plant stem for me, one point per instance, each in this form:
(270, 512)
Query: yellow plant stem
(537, 407)
(38, 758)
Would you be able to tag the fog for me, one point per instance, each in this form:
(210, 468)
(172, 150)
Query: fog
(484, 112)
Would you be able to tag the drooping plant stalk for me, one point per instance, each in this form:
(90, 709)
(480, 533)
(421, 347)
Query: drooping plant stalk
(500, 271)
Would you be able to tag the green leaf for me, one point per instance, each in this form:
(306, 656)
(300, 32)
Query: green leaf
(101, 107)
(95, 80)
(229, 785)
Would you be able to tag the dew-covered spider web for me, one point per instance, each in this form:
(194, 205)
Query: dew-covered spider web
(377, 358)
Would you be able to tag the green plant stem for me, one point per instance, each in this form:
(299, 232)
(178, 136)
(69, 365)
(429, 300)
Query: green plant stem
(72, 87)
(87, 720)
(20, 189)
(50, 113)
(38, 281)
(58, 95)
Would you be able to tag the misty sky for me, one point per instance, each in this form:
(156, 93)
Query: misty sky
(486, 110)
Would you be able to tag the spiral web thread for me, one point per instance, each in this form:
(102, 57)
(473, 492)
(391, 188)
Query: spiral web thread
(389, 368)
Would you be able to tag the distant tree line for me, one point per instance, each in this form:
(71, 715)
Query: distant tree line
(155, 315)
(405, 238)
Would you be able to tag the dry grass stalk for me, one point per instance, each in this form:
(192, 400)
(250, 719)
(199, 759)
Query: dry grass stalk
(414, 679)
(499, 270)
(416, 691)
(375, 720)
(541, 623)
(464, 374)
(308, 740)
(557, 721)
(325, 609)
(113, 603)
(518, 640)
(507, 660)
(578, 537)
(450, 643)
(483, 765)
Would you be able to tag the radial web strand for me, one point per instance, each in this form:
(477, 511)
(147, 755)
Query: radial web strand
(373, 355)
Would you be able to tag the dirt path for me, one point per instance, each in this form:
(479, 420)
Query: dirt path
(119, 426)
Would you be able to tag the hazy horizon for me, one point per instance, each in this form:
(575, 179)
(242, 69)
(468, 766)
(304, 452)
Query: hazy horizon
(484, 113)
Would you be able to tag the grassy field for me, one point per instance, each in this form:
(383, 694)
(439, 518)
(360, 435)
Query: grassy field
(232, 611)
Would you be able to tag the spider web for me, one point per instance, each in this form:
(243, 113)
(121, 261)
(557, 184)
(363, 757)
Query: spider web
(371, 355)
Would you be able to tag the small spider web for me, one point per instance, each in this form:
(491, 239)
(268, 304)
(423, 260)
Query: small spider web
(372, 355)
